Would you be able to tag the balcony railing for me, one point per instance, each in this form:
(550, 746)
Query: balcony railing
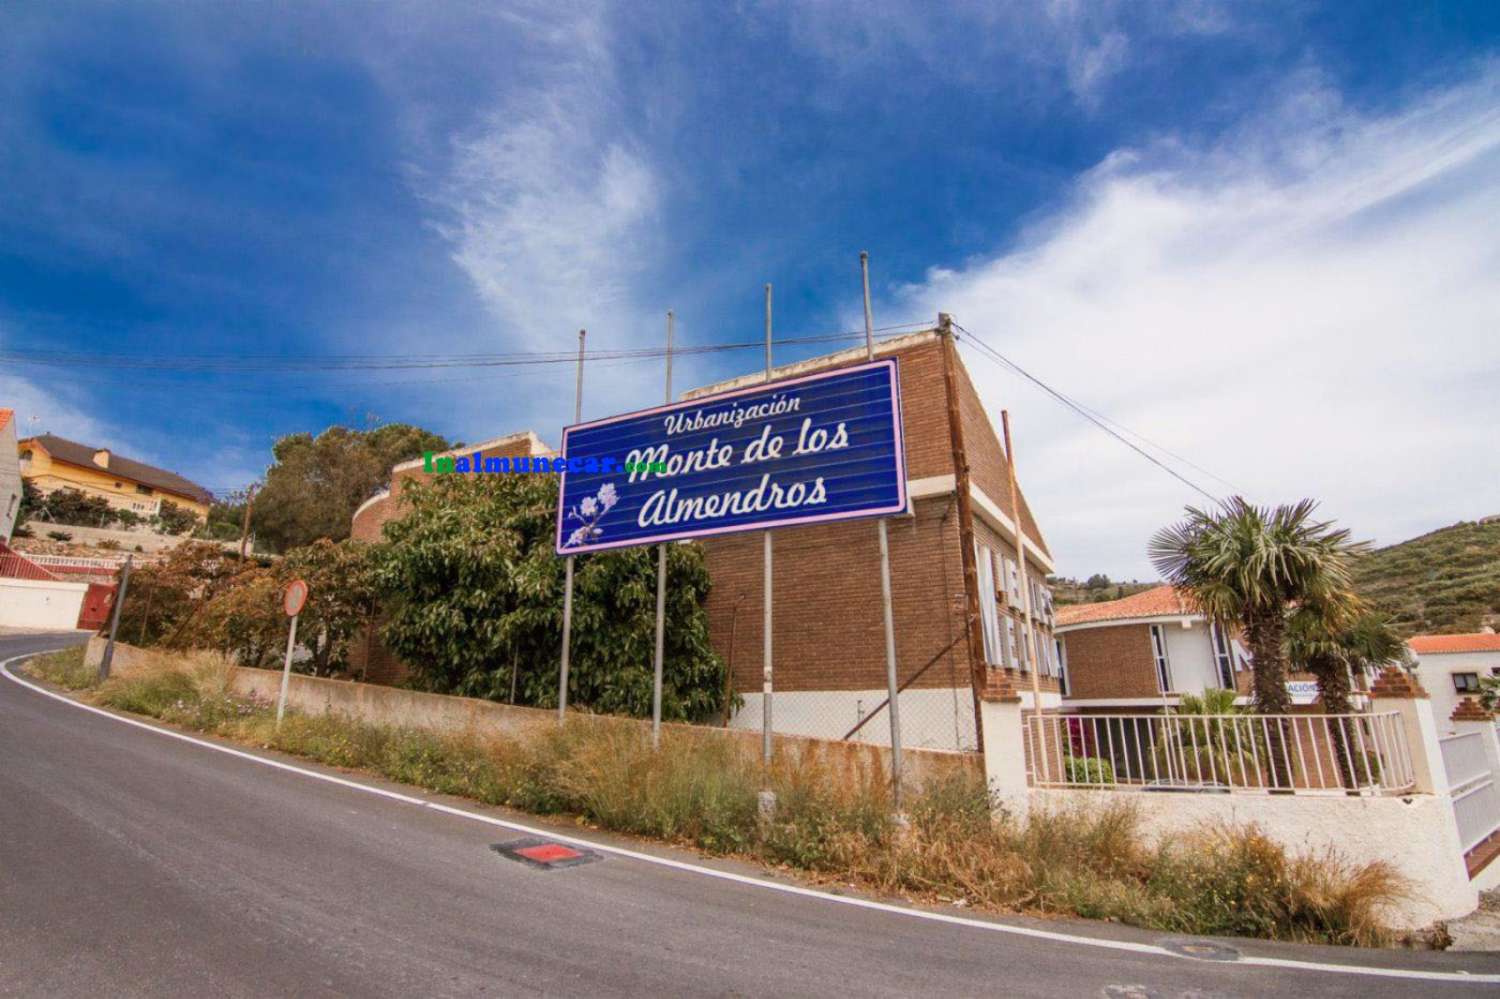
(1236, 753)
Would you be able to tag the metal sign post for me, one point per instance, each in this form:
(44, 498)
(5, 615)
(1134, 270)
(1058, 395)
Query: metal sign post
(567, 634)
(114, 621)
(892, 684)
(661, 588)
(292, 602)
(765, 656)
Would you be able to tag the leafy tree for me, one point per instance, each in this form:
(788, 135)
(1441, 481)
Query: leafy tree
(226, 518)
(246, 619)
(341, 598)
(1250, 566)
(316, 483)
(473, 591)
(174, 519)
(1097, 581)
(65, 506)
(165, 597)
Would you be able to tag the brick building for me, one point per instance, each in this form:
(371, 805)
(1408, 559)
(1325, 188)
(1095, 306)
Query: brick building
(1145, 651)
(828, 643)
(956, 587)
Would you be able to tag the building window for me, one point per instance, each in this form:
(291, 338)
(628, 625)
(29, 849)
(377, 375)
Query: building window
(143, 490)
(1163, 664)
(1466, 683)
(1062, 665)
(989, 610)
(1222, 658)
(1010, 642)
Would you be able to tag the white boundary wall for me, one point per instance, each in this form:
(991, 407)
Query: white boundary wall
(1416, 833)
(41, 603)
(931, 717)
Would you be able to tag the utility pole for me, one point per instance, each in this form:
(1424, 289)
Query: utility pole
(114, 620)
(567, 635)
(245, 528)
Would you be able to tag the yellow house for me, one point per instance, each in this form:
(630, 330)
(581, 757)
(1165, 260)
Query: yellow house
(50, 463)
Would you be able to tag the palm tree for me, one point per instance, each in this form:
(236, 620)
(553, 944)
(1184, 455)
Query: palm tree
(1332, 649)
(1249, 566)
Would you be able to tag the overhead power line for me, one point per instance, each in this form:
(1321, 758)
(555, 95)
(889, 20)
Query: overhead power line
(244, 363)
(1099, 420)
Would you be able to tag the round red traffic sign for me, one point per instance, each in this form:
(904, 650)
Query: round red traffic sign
(294, 598)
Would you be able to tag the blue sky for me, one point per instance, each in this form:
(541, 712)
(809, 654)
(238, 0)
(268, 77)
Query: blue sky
(1262, 235)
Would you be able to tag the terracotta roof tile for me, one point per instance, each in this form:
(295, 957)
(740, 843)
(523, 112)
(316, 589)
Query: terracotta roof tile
(1159, 601)
(1480, 642)
(5, 417)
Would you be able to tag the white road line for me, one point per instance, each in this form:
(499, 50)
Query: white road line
(1461, 977)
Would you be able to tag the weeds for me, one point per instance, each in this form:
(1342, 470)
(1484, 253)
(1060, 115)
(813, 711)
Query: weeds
(64, 669)
(701, 791)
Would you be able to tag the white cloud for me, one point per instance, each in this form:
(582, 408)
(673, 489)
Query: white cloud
(547, 203)
(1306, 307)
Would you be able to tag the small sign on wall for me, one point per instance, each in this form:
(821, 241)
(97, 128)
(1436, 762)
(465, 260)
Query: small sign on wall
(1302, 691)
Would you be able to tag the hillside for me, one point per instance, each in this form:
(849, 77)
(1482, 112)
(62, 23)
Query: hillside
(1093, 590)
(1445, 581)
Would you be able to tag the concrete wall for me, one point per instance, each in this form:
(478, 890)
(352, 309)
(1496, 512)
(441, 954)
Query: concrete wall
(149, 541)
(383, 705)
(1415, 834)
(37, 603)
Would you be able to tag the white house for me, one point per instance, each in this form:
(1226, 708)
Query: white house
(1450, 667)
(10, 475)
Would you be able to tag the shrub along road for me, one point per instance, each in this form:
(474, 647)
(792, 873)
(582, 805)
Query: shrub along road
(136, 864)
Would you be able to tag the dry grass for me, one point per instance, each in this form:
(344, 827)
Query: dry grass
(701, 791)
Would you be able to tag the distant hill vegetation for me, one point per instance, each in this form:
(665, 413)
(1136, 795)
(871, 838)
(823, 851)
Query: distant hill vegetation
(1445, 581)
(1093, 590)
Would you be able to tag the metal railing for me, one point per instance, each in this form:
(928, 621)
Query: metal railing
(1471, 782)
(16, 566)
(1239, 753)
(78, 561)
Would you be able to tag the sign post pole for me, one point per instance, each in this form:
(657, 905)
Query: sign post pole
(765, 656)
(567, 634)
(114, 620)
(292, 602)
(892, 684)
(661, 588)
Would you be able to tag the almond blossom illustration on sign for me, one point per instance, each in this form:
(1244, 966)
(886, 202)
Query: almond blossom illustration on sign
(590, 510)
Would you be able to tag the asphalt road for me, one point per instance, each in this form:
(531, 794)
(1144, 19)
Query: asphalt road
(132, 863)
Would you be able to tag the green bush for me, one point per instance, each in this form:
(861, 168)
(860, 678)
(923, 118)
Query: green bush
(1088, 770)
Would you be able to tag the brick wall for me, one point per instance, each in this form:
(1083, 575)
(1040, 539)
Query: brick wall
(1111, 662)
(828, 629)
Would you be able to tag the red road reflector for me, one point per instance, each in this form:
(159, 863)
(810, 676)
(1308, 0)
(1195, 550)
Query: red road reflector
(544, 854)
(548, 853)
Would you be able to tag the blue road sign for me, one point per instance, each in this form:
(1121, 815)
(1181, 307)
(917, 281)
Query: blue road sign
(822, 447)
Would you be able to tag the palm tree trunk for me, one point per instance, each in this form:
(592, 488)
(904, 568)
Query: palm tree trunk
(1263, 633)
(1333, 687)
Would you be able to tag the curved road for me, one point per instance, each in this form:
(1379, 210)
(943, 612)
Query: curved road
(134, 863)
